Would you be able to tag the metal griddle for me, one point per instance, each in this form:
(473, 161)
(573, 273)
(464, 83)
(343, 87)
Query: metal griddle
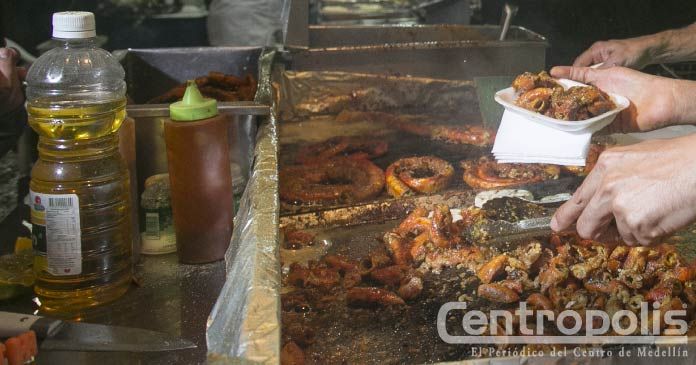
(390, 335)
(244, 325)
(437, 102)
(401, 145)
(382, 335)
(385, 335)
(394, 335)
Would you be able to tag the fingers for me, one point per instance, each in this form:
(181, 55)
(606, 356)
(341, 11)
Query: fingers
(585, 75)
(595, 219)
(9, 52)
(560, 72)
(610, 237)
(585, 59)
(599, 52)
(8, 60)
(625, 232)
(11, 96)
(569, 212)
(613, 61)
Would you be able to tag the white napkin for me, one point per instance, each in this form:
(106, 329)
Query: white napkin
(522, 141)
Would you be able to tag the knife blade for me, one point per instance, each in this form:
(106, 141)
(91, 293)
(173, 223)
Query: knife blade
(59, 335)
(506, 235)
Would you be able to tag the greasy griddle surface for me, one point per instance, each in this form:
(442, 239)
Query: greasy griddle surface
(399, 335)
(295, 135)
(685, 242)
(392, 335)
(401, 145)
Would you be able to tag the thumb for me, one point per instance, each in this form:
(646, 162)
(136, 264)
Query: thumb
(8, 59)
(585, 75)
(617, 60)
(9, 52)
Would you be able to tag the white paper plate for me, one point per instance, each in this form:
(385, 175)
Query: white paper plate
(507, 97)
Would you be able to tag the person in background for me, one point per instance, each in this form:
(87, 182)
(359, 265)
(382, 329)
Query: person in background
(670, 46)
(12, 113)
(642, 192)
(13, 120)
(243, 23)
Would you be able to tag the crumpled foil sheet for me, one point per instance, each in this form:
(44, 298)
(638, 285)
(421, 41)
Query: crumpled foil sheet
(244, 325)
(302, 94)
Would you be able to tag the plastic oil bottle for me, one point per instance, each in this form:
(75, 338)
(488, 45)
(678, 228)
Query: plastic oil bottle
(80, 183)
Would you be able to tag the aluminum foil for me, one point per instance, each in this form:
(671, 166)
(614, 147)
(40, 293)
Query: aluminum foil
(244, 325)
(311, 93)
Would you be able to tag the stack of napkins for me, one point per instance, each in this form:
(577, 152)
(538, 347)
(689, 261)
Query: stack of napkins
(520, 140)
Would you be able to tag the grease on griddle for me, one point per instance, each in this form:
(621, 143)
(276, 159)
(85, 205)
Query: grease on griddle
(512, 209)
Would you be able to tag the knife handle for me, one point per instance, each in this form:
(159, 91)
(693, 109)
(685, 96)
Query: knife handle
(14, 324)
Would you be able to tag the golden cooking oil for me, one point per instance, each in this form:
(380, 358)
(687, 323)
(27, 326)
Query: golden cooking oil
(80, 205)
(80, 197)
(77, 119)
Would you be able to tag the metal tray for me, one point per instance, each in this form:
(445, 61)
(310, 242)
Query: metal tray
(455, 52)
(441, 35)
(151, 72)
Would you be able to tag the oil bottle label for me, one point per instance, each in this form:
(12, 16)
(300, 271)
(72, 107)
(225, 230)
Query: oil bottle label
(55, 222)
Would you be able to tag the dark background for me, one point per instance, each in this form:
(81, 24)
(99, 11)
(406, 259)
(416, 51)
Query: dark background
(28, 22)
(570, 25)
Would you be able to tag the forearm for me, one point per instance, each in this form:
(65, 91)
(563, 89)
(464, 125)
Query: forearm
(683, 94)
(675, 45)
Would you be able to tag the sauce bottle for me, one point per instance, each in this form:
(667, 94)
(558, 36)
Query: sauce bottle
(200, 178)
(80, 192)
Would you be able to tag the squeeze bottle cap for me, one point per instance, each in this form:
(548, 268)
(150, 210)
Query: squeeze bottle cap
(193, 106)
(74, 25)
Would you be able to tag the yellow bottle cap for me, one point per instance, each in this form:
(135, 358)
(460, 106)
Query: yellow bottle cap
(194, 106)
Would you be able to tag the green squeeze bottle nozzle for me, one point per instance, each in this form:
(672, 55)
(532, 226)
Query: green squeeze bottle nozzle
(193, 106)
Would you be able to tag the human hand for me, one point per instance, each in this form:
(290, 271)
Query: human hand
(11, 94)
(633, 52)
(656, 102)
(648, 190)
